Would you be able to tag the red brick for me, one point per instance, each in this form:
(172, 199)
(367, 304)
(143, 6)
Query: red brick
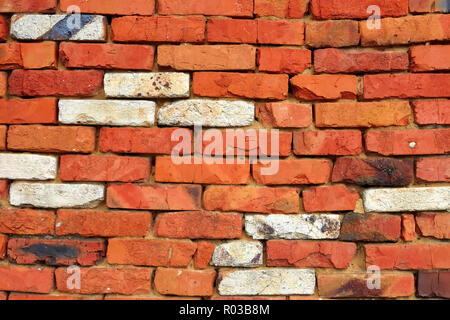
(106, 56)
(332, 198)
(432, 112)
(23, 111)
(154, 197)
(287, 32)
(40, 297)
(28, 55)
(281, 60)
(408, 257)
(139, 140)
(198, 225)
(422, 6)
(374, 171)
(281, 8)
(434, 284)
(300, 171)
(203, 255)
(25, 221)
(114, 7)
(232, 30)
(51, 139)
(3, 245)
(357, 61)
(435, 225)
(362, 114)
(28, 6)
(370, 227)
(332, 33)
(4, 28)
(144, 252)
(104, 168)
(328, 143)
(3, 130)
(25, 279)
(285, 115)
(356, 9)
(3, 83)
(408, 142)
(168, 171)
(207, 57)
(126, 281)
(251, 199)
(405, 30)
(324, 87)
(158, 29)
(430, 58)
(3, 295)
(102, 223)
(243, 85)
(408, 227)
(4, 189)
(55, 252)
(354, 285)
(236, 8)
(185, 282)
(433, 169)
(310, 254)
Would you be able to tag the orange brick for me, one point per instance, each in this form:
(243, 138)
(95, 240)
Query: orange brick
(281, 8)
(26, 221)
(280, 60)
(430, 58)
(26, 279)
(28, 6)
(28, 55)
(236, 8)
(287, 32)
(408, 227)
(203, 255)
(4, 28)
(422, 6)
(433, 169)
(4, 189)
(115, 7)
(3, 83)
(328, 143)
(3, 130)
(324, 87)
(329, 198)
(356, 9)
(232, 30)
(370, 227)
(436, 225)
(40, 297)
(23, 111)
(185, 282)
(332, 33)
(432, 112)
(285, 115)
(3, 245)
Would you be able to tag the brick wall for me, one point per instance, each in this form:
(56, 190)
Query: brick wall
(90, 105)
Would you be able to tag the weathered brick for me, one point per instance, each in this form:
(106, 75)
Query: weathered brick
(181, 282)
(4, 28)
(328, 142)
(139, 140)
(408, 227)
(3, 83)
(26, 221)
(281, 60)
(4, 189)
(51, 139)
(251, 199)
(203, 254)
(106, 56)
(432, 112)
(430, 58)
(300, 171)
(244, 85)
(24, 111)
(154, 197)
(356, 9)
(356, 61)
(245, 254)
(28, 6)
(332, 33)
(59, 83)
(14, 166)
(55, 252)
(355, 285)
(198, 225)
(434, 284)
(422, 6)
(408, 257)
(232, 30)
(166, 170)
(286, 32)
(28, 55)
(127, 281)
(435, 225)
(102, 223)
(408, 142)
(330, 198)
(285, 115)
(236, 8)
(433, 169)
(207, 57)
(26, 279)
(406, 30)
(144, 252)
(324, 87)
(370, 227)
(374, 171)
(3, 246)
(104, 168)
(3, 130)
(41, 297)
(281, 8)
(310, 254)
(158, 29)
(115, 7)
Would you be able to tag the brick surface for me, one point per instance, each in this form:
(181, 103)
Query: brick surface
(277, 60)
(432, 112)
(139, 7)
(333, 198)
(28, 111)
(184, 282)
(286, 32)
(433, 169)
(327, 143)
(26, 279)
(237, 8)
(26, 221)
(232, 30)
(285, 115)
(434, 225)
(324, 87)
(357, 9)
(332, 33)
(28, 55)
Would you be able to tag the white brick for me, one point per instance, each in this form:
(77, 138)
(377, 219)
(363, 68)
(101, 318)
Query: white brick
(15, 166)
(209, 113)
(147, 85)
(267, 282)
(407, 199)
(56, 195)
(107, 112)
(293, 226)
(238, 254)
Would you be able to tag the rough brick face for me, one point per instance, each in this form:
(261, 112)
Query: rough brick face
(28, 6)
(4, 28)
(328, 143)
(26, 221)
(433, 169)
(333, 33)
(336, 198)
(281, 8)
(277, 60)
(184, 282)
(287, 32)
(28, 111)
(370, 227)
(285, 115)
(432, 112)
(237, 8)
(232, 30)
(136, 7)
(26, 279)
(324, 87)
(28, 55)
(434, 225)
